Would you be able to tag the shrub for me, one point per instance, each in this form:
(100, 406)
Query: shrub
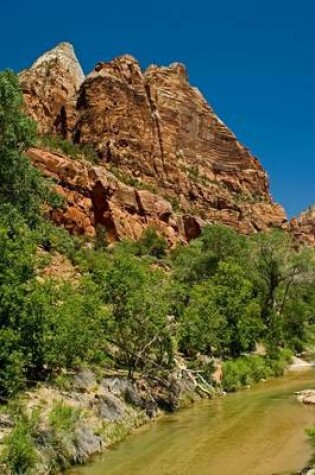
(246, 370)
(62, 420)
(55, 143)
(236, 374)
(20, 456)
(151, 244)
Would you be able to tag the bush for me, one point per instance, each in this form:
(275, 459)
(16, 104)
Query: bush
(20, 456)
(55, 143)
(236, 374)
(151, 244)
(279, 363)
(247, 370)
(62, 420)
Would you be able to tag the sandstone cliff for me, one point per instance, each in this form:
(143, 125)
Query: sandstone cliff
(154, 131)
(51, 82)
(303, 227)
(95, 196)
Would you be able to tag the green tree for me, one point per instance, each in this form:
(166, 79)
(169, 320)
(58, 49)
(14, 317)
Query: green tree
(20, 183)
(138, 326)
(222, 315)
(200, 260)
(282, 270)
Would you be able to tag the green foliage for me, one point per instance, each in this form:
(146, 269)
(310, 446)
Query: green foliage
(12, 363)
(43, 326)
(222, 315)
(138, 321)
(55, 143)
(63, 420)
(199, 261)
(151, 244)
(202, 324)
(248, 370)
(74, 321)
(21, 185)
(17, 131)
(283, 275)
(19, 455)
(52, 238)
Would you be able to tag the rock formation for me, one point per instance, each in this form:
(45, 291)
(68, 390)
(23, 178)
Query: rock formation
(51, 82)
(94, 196)
(152, 130)
(303, 227)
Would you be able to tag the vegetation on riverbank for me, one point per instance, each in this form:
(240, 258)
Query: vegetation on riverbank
(134, 306)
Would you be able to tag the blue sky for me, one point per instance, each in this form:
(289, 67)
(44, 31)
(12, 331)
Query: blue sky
(253, 60)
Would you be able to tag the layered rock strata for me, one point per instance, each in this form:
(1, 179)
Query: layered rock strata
(303, 227)
(49, 84)
(155, 130)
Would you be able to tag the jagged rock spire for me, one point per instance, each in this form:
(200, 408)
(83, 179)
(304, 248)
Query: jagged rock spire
(50, 83)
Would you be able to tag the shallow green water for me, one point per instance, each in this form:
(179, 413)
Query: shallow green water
(258, 431)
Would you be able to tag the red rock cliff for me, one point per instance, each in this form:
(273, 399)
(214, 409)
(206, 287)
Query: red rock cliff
(303, 227)
(153, 129)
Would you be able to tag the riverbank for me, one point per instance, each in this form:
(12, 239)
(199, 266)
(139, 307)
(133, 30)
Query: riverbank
(257, 431)
(87, 412)
(69, 425)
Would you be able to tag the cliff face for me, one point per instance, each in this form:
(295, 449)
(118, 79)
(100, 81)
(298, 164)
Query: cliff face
(93, 196)
(50, 83)
(154, 130)
(303, 227)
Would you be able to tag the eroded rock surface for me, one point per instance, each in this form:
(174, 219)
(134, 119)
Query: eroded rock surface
(303, 227)
(154, 129)
(93, 196)
(50, 84)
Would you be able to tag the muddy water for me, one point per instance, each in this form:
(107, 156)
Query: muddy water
(258, 431)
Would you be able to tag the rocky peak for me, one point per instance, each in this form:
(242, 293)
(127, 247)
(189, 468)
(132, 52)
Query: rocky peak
(64, 55)
(50, 84)
(154, 131)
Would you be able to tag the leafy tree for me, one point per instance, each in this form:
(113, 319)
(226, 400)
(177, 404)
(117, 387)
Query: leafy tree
(20, 183)
(73, 325)
(200, 260)
(222, 315)
(138, 324)
(203, 326)
(281, 272)
(224, 243)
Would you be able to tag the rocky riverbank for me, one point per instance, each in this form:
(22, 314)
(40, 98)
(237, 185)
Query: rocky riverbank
(307, 396)
(91, 413)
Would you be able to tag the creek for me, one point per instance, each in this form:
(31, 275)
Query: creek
(258, 431)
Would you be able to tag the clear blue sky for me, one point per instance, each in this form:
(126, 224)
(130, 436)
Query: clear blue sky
(253, 60)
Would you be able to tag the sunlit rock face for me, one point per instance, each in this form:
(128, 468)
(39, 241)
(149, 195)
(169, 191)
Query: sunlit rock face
(303, 227)
(154, 130)
(50, 83)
